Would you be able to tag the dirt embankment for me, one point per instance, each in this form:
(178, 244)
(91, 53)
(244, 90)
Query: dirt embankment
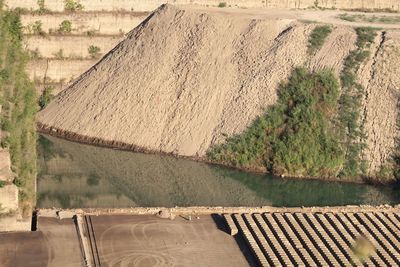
(185, 79)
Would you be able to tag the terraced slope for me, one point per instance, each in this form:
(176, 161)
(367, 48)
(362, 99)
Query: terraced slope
(320, 239)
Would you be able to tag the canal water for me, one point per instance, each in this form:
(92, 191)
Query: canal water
(73, 175)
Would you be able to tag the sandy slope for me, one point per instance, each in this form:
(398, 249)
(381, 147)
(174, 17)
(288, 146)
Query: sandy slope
(186, 78)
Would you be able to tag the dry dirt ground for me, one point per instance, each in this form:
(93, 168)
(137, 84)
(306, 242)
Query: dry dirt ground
(54, 244)
(151, 241)
(188, 77)
(128, 241)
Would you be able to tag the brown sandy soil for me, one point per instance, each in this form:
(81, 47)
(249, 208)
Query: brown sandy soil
(381, 78)
(187, 78)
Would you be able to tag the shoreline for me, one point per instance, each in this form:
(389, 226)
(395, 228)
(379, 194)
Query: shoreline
(122, 146)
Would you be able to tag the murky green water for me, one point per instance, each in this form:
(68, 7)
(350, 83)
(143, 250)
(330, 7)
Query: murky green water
(76, 175)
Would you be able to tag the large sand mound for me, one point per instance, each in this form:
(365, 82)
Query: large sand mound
(185, 79)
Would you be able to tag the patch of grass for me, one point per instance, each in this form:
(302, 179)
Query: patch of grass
(18, 115)
(222, 4)
(93, 179)
(372, 10)
(295, 137)
(65, 27)
(371, 19)
(42, 9)
(36, 28)
(94, 51)
(72, 6)
(317, 38)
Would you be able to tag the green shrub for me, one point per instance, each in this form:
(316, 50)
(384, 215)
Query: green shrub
(295, 136)
(93, 179)
(317, 38)
(72, 6)
(36, 28)
(2, 184)
(42, 9)
(46, 96)
(65, 27)
(222, 4)
(94, 51)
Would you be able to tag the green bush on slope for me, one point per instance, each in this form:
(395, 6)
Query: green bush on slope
(295, 136)
(312, 130)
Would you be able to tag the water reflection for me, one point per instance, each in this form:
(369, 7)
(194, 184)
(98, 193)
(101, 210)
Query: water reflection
(76, 175)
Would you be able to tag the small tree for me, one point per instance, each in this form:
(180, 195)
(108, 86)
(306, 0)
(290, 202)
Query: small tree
(94, 51)
(72, 5)
(46, 96)
(65, 27)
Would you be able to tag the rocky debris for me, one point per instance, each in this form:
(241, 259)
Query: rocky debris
(165, 214)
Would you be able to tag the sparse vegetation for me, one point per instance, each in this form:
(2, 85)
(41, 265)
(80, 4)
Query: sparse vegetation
(34, 54)
(42, 8)
(65, 27)
(19, 101)
(90, 33)
(371, 19)
(349, 116)
(36, 28)
(222, 4)
(94, 51)
(317, 38)
(72, 6)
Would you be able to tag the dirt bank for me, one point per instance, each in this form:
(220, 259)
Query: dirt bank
(187, 78)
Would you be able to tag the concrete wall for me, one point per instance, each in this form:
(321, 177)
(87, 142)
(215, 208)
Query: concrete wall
(8, 198)
(58, 70)
(72, 46)
(101, 23)
(149, 5)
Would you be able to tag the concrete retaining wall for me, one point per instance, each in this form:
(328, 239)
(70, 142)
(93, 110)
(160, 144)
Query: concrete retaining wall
(100, 23)
(58, 70)
(72, 46)
(8, 198)
(149, 5)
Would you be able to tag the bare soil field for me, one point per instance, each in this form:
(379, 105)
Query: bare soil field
(54, 244)
(151, 241)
